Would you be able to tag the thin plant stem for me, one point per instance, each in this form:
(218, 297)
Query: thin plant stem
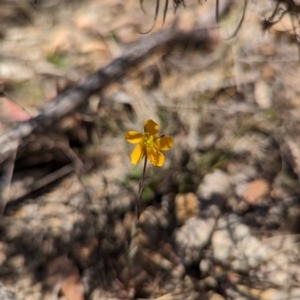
(133, 244)
(141, 188)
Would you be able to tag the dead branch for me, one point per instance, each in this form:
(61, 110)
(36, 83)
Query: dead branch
(71, 99)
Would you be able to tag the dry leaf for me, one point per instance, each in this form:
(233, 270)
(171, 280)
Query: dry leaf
(63, 270)
(285, 24)
(255, 190)
(263, 94)
(12, 111)
(72, 287)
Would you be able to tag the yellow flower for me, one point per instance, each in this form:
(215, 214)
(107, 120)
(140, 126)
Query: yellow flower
(149, 144)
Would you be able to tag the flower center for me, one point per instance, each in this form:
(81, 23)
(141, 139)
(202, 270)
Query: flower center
(148, 141)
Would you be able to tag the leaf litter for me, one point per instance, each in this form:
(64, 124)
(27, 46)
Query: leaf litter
(231, 108)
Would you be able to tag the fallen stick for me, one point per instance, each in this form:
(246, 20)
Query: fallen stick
(72, 98)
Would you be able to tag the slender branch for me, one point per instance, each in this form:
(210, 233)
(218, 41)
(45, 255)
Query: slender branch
(141, 188)
(73, 98)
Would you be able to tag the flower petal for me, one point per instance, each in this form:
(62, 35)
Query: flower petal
(164, 143)
(137, 154)
(151, 127)
(156, 157)
(134, 137)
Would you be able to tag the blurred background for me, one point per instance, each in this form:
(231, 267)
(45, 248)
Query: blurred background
(220, 220)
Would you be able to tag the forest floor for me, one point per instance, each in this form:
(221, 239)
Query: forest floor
(220, 219)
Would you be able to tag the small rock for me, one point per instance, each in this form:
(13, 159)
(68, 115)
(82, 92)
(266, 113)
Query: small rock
(214, 183)
(234, 240)
(268, 294)
(222, 243)
(208, 141)
(16, 262)
(279, 276)
(192, 237)
(210, 282)
(178, 271)
(186, 207)
(161, 262)
(249, 251)
(216, 296)
(7, 293)
(15, 71)
(263, 94)
(205, 266)
(255, 190)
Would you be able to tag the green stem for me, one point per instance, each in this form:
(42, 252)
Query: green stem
(141, 188)
(133, 244)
